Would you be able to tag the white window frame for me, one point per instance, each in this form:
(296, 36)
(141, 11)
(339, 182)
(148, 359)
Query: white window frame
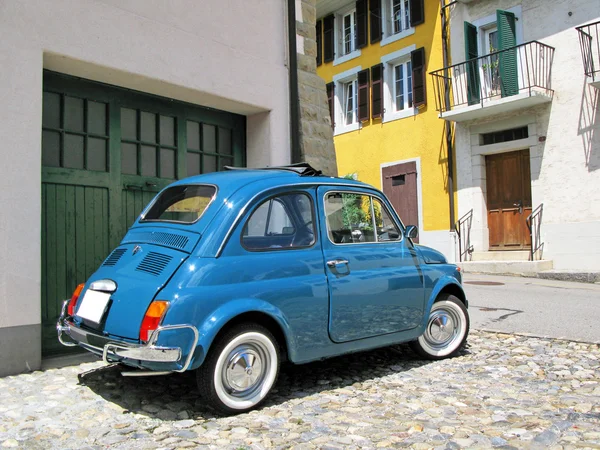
(340, 56)
(339, 104)
(390, 61)
(389, 35)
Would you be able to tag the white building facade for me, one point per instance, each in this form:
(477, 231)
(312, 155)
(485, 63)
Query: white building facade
(526, 130)
(103, 102)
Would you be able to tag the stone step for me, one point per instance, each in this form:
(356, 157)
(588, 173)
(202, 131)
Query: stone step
(514, 255)
(522, 268)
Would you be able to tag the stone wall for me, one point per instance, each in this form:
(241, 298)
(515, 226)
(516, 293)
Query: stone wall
(316, 133)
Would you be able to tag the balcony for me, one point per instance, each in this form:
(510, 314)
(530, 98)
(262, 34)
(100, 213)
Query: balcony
(590, 51)
(500, 82)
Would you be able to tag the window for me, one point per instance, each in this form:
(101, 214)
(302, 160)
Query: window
(400, 16)
(285, 221)
(403, 82)
(185, 203)
(396, 20)
(344, 92)
(403, 86)
(350, 97)
(348, 32)
(357, 218)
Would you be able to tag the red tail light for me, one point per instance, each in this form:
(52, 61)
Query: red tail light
(74, 298)
(152, 319)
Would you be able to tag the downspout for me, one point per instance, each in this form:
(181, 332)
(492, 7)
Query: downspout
(447, 123)
(293, 83)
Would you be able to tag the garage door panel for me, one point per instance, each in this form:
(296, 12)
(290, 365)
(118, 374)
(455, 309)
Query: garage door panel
(106, 152)
(74, 243)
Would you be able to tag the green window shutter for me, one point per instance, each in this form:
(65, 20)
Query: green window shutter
(375, 20)
(509, 83)
(361, 23)
(473, 84)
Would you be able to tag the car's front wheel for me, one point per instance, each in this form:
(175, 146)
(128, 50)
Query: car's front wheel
(240, 369)
(446, 331)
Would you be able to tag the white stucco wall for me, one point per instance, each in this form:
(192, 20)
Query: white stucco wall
(565, 168)
(225, 54)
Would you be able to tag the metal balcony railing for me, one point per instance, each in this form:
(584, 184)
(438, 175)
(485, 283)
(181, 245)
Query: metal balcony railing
(521, 69)
(589, 41)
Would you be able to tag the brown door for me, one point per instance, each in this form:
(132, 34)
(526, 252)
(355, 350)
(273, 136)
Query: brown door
(508, 200)
(400, 186)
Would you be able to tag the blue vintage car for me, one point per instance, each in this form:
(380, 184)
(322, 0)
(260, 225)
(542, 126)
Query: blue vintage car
(231, 273)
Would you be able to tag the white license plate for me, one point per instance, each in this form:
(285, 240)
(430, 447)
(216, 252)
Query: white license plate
(93, 305)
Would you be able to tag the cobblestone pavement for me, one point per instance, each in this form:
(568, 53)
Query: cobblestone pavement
(504, 391)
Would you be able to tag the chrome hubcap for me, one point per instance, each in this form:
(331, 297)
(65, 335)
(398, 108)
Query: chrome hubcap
(442, 329)
(245, 370)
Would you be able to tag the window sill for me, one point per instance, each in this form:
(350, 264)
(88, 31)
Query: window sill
(347, 129)
(397, 36)
(346, 58)
(400, 115)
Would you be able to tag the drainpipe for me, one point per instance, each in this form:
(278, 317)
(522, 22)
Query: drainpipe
(293, 84)
(447, 123)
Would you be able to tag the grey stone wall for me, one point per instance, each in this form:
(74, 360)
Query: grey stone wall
(316, 133)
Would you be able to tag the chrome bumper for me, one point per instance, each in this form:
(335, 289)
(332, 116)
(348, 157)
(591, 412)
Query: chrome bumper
(112, 351)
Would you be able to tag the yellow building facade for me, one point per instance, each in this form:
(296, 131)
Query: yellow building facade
(375, 57)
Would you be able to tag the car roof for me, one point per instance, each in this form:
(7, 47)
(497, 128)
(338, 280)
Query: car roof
(230, 181)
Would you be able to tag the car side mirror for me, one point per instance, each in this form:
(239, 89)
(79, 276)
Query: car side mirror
(412, 231)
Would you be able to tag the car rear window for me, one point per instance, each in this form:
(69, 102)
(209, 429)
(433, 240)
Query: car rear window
(184, 203)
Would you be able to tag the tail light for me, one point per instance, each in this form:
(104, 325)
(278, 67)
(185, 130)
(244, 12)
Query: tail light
(74, 298)
(152, 319)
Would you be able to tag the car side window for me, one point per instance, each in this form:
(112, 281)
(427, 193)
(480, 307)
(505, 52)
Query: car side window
(358, 218)
(284, 221)
(349, 218)
(387, 230)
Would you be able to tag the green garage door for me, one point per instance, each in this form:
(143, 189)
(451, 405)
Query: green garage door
(106, 151)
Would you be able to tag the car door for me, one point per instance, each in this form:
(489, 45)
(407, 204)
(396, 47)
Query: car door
(374, 276)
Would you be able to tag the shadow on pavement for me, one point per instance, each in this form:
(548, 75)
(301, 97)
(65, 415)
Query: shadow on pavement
(176, 396)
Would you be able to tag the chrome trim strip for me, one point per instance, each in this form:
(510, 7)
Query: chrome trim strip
(305, 184)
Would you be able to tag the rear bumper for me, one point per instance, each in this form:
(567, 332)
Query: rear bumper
(69, 334)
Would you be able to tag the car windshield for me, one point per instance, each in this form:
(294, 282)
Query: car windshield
(185, 203)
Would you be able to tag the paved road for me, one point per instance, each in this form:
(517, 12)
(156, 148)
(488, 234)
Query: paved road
(503, 391)
(529, 305)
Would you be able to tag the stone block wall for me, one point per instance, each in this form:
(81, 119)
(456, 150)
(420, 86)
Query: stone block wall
(316, 133)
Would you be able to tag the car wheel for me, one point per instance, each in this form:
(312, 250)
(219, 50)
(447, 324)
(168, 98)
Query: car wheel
(240, 369)
(446, 331)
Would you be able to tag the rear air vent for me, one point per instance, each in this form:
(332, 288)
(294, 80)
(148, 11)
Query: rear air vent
(158, 237)
(114, 257)
(154, 263)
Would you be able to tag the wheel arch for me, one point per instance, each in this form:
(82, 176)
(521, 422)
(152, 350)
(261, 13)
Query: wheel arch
(445, 285)
(243, 311)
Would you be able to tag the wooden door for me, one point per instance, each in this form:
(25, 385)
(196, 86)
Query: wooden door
(508, 200)
(106, 152)
(400, 187)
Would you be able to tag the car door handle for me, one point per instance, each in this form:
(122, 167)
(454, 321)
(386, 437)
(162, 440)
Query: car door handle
(337, 262)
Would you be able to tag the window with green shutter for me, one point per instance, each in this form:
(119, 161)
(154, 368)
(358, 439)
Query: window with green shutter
(507, 40)
(471, 67)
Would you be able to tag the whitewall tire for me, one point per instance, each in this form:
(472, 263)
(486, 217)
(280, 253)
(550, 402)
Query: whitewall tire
(240, 369)
(446, 331)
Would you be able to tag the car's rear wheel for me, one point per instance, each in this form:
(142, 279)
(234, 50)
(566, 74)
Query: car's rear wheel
(446, 331)
(240, 369)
